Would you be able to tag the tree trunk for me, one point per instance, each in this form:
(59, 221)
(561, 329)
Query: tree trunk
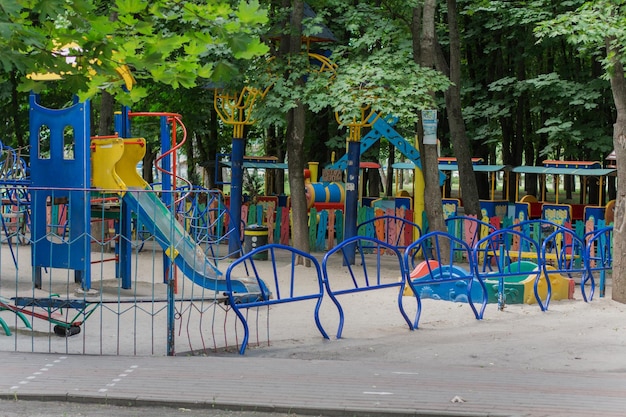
(296, 119)
(275, 146)
(105, 125)
(148, 165)
(192, 174)
(432, 193)
(296, 164)
(618, 86)
(458, 135)
(207, 150)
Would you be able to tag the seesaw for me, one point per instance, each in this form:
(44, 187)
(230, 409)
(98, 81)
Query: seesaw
(519, 281)
(7, 307)
(50, 310)
(427, 273)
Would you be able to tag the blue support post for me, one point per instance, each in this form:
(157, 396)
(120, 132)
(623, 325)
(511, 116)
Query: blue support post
(124, 247)
(122, 122)
(236, 190)
(166, 186)
(166, 161)
(352, 197)
(171, 313)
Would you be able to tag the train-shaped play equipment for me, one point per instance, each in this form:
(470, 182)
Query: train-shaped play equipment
(518, 279)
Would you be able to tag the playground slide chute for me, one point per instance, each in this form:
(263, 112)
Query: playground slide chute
(114, 168)
(188, 256)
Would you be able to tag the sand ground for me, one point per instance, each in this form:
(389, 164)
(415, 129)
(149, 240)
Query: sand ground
(572, 334)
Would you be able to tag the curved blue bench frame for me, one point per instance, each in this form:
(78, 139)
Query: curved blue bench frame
(566, 252)
(430, 246)
(497, 251)
(273, 291)
(598, 241)
(368, 228)
(365, 280)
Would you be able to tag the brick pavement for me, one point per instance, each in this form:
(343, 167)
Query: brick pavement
(322, 387)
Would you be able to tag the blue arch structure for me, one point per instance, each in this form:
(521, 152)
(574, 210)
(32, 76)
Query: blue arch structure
(350, 161)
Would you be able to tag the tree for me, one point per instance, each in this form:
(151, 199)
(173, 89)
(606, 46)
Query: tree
(291, 42)
(432, 195)
(601, 26)
(525, 101)
(458, 134)
(374, 66)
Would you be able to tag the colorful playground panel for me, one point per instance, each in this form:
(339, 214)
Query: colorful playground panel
(519, 280)
(519, 283)
(449, 290)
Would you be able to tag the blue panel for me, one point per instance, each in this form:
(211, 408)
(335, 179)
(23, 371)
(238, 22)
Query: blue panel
(52, 180)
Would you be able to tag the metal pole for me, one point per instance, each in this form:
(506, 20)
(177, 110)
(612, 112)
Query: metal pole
(236, 191)
(352, 197)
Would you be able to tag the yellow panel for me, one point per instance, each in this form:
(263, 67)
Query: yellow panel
(104, 155)
(126, 166)
(561, 287)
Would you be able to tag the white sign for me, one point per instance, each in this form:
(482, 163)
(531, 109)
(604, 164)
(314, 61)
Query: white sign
(429, 123)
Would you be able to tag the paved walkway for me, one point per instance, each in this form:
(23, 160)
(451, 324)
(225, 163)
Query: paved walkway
(321, 387)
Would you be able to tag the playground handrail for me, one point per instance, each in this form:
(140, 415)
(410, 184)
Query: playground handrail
(599, 253)
(359, 273)
(440, 247)
(273, 289)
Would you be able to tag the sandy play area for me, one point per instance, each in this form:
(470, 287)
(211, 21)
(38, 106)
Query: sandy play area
(571, 334)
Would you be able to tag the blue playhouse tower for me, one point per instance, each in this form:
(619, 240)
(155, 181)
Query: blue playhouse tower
(60, 176)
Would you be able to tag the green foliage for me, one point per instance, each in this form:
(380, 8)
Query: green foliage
(389, 80)
(590, 27)
(174, 47)
(174, 43)
(547, 94)
(253, 183)
(374, 66)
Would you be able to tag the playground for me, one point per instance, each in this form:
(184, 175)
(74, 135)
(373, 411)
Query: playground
(353, 305)
(97, 261)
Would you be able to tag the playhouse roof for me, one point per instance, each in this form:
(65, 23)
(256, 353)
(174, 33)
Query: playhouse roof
(453, 167)
(589, 172)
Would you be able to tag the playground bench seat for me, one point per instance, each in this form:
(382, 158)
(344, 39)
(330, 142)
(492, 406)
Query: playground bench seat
(578, 212)
(283, 285)
(379, 266)
(535, 211)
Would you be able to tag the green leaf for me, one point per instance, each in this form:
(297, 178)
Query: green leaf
(165, 45)
(10, 7)
(247, 47)
(223, 71)
(137, 93)
(49, 9)
(205, 71)
(249, 12)
(130, 6)
(194, 48)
